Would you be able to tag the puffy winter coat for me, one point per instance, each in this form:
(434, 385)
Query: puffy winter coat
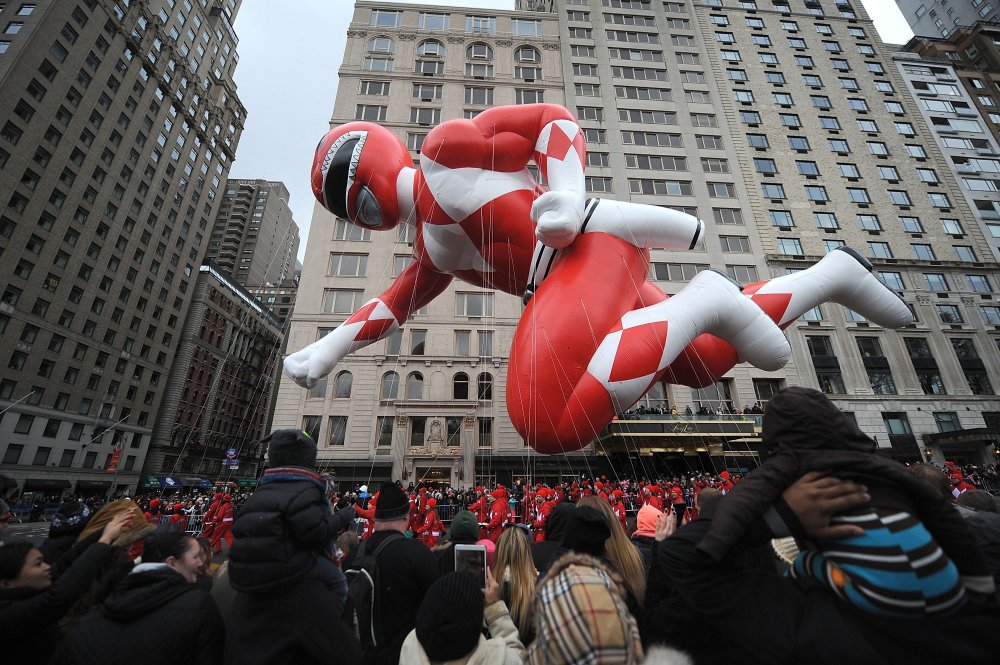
(153, 617)
(281, 530)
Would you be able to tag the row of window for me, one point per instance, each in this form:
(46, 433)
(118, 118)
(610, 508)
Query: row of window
(419, 434)
(342, 384)
(14, 451)
(521, 27)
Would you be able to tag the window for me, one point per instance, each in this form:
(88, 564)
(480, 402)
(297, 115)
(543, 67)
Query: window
(485, 344)
(348, 265)
(949, 314)
(923, 252)
(781, 218)
(947, 421)
(484, 387)
(991, 314)
(936, 281)
(880, 250)
(425, 116)
(371, 112)
(899, 197)
(390, 386)
(727, 215)
(939, 200)
(13, 453)
(826, 220)
(342, 385)
(382, 18)
(485, 432)
(772, 191)
(342, 301)
(790, 246)
(858, 195)
(41, 456)
(474, 304)
(979, 283)
(528, 96)
(838, 146)
(460, 386)
(816, 193)
(869, 223)
(738, 244)
(765, 166)
(431, 21)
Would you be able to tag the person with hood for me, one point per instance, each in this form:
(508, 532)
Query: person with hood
(555, 527)
(464, 530)
(31, 604)
(909, 557)
(282, 567)
(68, 521)
(644, 537)
(155, 616)
(449, 626)
(499, 514)
(581, 608)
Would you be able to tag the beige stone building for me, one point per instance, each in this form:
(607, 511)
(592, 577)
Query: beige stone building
(787, 126)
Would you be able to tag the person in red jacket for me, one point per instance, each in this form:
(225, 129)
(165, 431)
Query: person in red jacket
(499, 514)
(208, 524)
(432, 527)
(179, 519)
(368, 514)
(153, 514)
(481, 508)
(542, 512)
(225, 528)
(619, 507)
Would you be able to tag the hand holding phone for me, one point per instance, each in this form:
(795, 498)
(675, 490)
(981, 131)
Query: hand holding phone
(472, 559)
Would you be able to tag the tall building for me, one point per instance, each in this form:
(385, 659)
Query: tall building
(218, 394)
(120, 121)
(787, 126)
(938, 18)
(255, 238)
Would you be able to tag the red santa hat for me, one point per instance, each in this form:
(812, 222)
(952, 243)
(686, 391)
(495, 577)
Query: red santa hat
(226, 498)
(599, 485)
(432, 502)
(178, 506)
(724, 474)
(217, 496)
(618, 494)
(479, 488)
(154, 504)
(498, 493)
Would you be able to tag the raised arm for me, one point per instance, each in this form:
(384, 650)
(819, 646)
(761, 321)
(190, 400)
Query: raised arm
(378, 318)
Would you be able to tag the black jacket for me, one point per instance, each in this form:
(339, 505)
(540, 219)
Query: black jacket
(30, 617)
(280, 531)
(803, 431)
(297, 625)
(646, 546)
(543, 553)
(153, 617)
(406, 570)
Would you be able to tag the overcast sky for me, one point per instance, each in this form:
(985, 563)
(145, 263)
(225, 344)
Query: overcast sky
(287, 79)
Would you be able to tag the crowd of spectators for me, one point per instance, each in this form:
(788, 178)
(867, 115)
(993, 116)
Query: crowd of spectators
(594, 570)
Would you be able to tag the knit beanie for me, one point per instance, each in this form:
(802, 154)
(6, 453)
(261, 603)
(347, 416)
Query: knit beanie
(645, 521)
(392, 503)
(450, 619)
(464, 528)
(69, 520)
(586, 532)
(290, 447)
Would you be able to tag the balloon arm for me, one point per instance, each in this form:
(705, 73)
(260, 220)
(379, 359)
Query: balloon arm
(415, 287)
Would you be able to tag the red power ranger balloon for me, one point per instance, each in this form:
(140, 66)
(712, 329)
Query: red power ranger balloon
(595, 334)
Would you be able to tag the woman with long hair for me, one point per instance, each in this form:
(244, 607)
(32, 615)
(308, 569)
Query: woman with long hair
(515, 571)
(621, 553)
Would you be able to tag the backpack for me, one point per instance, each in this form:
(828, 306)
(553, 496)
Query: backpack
(362, 610)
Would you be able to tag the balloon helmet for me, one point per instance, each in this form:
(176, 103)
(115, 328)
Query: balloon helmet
(354, 174)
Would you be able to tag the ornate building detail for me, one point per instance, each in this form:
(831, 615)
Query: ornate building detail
(504, 42)
(401, 421)
(357, 33)
(407, 37)
(454, 39)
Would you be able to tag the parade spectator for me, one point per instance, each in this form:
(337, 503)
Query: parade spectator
(449, 626)
(31, 605)
(464, 530)
(803, 431)
(515, 572)
(282, 566)
(347, 542)
(581, 612)
(979, 509)
(934, 477)
(406, 569)
(207, 569)
(645, 530)
(621, 554)
(68, 521)
(118, 564)
(555, 529)
(779, 619)
(155, 616)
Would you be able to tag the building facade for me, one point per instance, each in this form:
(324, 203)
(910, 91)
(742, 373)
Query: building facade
(254, 238)
(119, 125)
(939, 18)
(787, 127)
(218, 394)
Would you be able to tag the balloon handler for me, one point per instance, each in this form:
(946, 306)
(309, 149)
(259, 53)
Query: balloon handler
(595, 334)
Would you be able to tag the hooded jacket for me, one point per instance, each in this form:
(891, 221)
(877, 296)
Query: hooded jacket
(803, 431)
(555, 528)
(153, 617)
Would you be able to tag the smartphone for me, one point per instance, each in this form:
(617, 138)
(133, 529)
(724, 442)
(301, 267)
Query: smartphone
(472, 559)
